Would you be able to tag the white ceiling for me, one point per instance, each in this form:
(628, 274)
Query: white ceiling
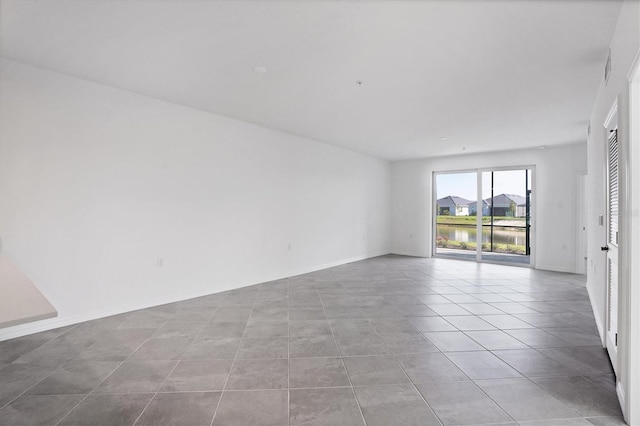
(487, 75)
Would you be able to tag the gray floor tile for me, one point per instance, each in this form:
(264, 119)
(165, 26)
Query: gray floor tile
(173, 328)
(318, 407)
(204, 375)
(408, 343)
(312, 346)
(108, 410)
(375, 309)
(162, 349)
(513, 308)
(231, 313)
(427, 324)
(374, 370)
(223, 329)
(367, 344)
(524, 400)
(588, 395)
(15, 379)
(495, 339)
(342, 312)
(469, 323)
(309, 328)
(448, 309)
(213, 348)
(542, 320)
(13, 349)
(392, 325)
(194, 314)
(256, 328)
(137, 376)
(481, 309)
(462, 403)
(76, 377)
(317, 372)
(394, 405)
(307, 313)
(606, 421)
(537, 338)
(575, 336)
(432, 299)
(416, 311)
(38, 409)
(253, 374)
(532, 363)
(276, 347)
(506, 322)
(557, 422)
(430, 368)
(351, 327)
(262, 407)
(185, 408)
(448, 341)
(56, 352)
(381, 312)
(482, 365)
(585, 360)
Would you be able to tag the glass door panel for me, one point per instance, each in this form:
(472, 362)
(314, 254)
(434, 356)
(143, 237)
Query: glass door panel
(506, 210)
(455, 224)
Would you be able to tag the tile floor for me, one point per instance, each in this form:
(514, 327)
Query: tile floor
(388, 341)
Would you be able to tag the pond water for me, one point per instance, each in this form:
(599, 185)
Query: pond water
(468, 234)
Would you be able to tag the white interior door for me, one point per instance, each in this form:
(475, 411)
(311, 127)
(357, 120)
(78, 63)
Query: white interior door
(612, 245)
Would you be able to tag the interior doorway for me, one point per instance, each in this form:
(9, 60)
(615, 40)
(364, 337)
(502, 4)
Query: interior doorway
(484, 215)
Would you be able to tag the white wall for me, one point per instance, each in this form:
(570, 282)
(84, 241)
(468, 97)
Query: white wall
(98, 183)
(555, 200)
(625, 45)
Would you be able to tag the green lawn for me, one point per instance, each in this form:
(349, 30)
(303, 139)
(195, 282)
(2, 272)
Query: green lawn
(497, 248)
(471, 220)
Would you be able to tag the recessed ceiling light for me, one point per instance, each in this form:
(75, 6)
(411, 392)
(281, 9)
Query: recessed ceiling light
(542, 146)
(259, 70)
(443, 138)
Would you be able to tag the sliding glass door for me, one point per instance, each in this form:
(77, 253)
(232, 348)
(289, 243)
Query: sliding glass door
(484, 215)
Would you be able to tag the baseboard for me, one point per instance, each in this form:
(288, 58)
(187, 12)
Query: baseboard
(597, 316)
(621, 398)
(409, 253)
(556, 268)
(63, 321)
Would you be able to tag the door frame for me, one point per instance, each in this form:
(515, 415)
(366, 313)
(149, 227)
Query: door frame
(581, 230)
(479, 172)
(628, 382)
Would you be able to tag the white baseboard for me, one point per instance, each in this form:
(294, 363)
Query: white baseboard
(556, 268)
(63, 321)
(621, 398)
(597, 316)
(408, 253)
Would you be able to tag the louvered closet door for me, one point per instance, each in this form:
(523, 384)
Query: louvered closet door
(612, 243)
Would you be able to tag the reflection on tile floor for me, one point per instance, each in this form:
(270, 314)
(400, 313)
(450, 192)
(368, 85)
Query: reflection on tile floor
(388, 341)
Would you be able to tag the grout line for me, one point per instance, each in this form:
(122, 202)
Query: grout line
(235, 357)
(289, 354)
(103, 380)
(335, 342)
